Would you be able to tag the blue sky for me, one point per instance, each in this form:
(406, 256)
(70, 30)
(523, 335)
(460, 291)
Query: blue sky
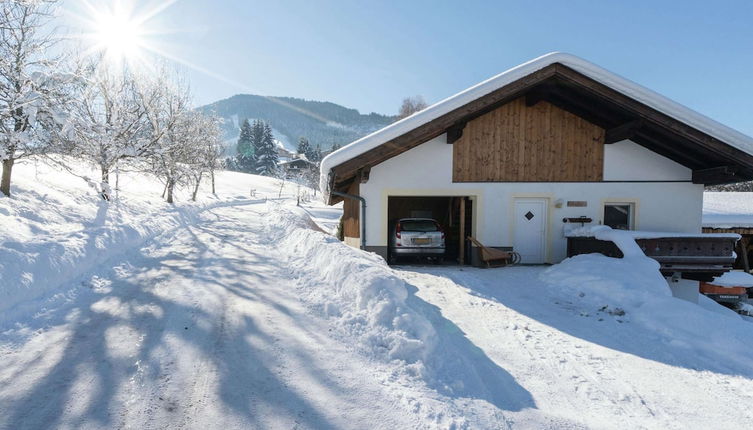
(370, 54)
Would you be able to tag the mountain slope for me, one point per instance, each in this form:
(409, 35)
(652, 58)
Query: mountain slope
(323, 123)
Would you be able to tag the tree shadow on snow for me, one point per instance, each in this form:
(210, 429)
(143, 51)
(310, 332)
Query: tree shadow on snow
(519, 289)
(90, 367)
(460, 369)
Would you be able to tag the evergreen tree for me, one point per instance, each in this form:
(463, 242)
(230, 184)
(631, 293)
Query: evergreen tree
(257, 135)
(316, 154)
(244, 160)
(266, 156)
(304, 147)
(245, 146)
(246, 163)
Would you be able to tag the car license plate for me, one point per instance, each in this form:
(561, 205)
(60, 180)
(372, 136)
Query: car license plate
(421, 241)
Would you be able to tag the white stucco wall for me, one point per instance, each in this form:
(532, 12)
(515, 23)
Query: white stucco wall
(426, 170)
(628, 161)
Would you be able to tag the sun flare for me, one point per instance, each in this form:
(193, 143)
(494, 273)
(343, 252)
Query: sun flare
(118, 36)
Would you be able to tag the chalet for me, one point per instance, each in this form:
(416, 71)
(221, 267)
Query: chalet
(514, 160)
(297, 166)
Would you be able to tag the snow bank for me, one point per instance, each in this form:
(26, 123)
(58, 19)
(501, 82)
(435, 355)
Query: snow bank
(356, 290)
(628, 282)
(597, 281)
(633, 290)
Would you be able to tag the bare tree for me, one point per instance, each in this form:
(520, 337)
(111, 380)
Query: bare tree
(32, 88)
(208, 143)
(214, 147)
(175, 151)
(410, 106)
(109, 122)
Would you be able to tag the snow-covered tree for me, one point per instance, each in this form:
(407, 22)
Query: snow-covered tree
(316, 154)
(109, 118)
(304, 147)
(33, 88)
(209, 148)
(175, 128)
(267, 158)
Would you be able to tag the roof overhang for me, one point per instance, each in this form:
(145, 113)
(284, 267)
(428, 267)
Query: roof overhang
(715, 153)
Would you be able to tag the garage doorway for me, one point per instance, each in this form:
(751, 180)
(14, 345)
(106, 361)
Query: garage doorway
(447, 211)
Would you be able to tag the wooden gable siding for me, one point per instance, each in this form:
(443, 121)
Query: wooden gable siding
(352, 213)
(519, 143)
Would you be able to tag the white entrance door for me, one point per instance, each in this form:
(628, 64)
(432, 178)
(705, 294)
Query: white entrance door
(530, 230)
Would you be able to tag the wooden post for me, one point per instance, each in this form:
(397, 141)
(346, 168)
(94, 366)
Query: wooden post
(744, 249)
(462, 231)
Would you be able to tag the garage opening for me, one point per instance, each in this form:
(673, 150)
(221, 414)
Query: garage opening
(453, 213)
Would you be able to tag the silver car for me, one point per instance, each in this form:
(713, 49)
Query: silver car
(417, 237)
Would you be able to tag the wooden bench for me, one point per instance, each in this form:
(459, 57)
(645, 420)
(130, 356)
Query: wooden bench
(494, 257)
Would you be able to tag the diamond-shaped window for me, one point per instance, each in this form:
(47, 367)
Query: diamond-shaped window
(529, 216)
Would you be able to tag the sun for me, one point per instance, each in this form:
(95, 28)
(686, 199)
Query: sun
(117, 30)
(118, 35)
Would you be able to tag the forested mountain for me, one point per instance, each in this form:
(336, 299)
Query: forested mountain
(322, 123)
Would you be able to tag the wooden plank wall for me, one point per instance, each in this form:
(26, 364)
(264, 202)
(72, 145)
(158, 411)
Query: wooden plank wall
(351, 213)
(517, 143)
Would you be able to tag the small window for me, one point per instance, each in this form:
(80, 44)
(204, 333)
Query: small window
(619, 216)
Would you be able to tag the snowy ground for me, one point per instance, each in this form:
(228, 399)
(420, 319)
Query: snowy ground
(200, 328)
(596, 367)
(240, 312)
(727, 209)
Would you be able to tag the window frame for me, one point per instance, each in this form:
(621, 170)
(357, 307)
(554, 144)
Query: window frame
(632, 209)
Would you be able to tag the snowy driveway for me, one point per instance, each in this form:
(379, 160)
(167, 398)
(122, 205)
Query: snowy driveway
(597, 369)
(201, 328)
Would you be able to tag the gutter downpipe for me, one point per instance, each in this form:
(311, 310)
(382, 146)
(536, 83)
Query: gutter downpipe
(363, 213)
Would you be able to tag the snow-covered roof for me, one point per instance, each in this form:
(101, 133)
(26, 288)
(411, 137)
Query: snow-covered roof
(727, 210)
(605, 77)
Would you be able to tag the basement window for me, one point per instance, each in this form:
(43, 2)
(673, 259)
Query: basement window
(619, 216)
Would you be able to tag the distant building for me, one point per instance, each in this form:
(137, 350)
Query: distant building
(298, 165)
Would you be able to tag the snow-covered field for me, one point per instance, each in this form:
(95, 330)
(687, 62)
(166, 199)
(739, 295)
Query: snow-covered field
(55, 228)
(241, 312)
(727, 209)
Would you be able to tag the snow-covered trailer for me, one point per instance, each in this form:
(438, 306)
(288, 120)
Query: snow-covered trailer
(699, 257)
